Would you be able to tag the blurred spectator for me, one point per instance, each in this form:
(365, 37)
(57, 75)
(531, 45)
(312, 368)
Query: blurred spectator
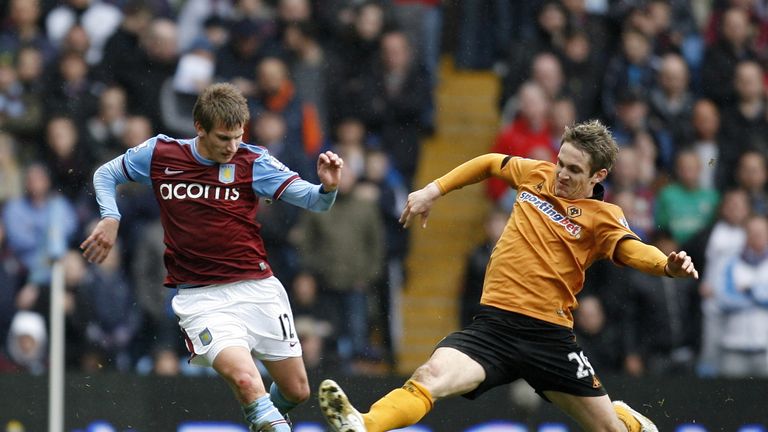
(631, 118)
(106, 304)
(39, 226)
(68, 161)
(277, 94)
(155, 62)
(294, 11)
(744, 125)
(549, 40)
(312, 335)
(661, 319)
(10, 174)
(122, 51)
(269, 130)
(628, 191)
(710, 248)
(165, 362)
(485, 30)
(562, 114)
(193, 15)
(23, 29)
(178, 94)
(752, 176)
(422, 21)
(393, 103)
(357, 49)
(707, 143)
(580, 16)
(98, 18)
(631, 70)
(600, 340)
(249, 43)
(12, 276)
(311, 326)
(277, 219)
(671, 106)
(684, 207)
(20, 110)
(347, 262)
(160, 329)
(72, 90)
(645, 147)
(30, 73)
(27, 345)
(216, 32)
(733, 46)
(583, 72)
(742, 295)
(528, 132)
(103, 130)
(546, 71)
(477, 261)
(350, 143)
(382, 184)
(310, 66)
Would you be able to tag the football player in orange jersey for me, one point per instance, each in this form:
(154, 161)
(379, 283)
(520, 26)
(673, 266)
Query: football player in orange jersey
(559, 226)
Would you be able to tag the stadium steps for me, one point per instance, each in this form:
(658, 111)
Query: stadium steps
(466, 123)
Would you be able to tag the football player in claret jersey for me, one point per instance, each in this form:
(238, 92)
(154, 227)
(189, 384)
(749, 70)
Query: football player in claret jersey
(558, 228)
(229, 304)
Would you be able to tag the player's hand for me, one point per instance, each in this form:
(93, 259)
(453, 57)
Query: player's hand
(419, 204)
(103, 237)
(679, 264)
(329, 166)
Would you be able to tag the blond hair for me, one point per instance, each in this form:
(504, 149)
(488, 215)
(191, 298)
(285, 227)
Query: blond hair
(221, 104)
(596, 140)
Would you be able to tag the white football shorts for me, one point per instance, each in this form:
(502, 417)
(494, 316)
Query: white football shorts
(254, 314)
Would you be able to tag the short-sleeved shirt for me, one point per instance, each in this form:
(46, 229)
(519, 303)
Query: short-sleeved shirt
(537, 266)
(208, 209)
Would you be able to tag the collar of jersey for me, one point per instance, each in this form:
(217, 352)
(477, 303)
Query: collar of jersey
(198, 156)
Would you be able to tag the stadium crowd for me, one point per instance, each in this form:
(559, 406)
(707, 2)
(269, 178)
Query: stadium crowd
(682, 84)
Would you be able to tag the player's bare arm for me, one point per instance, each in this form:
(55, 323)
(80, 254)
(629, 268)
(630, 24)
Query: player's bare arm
(101, 240)
(329, 166)
(419, 204)
(679, 264)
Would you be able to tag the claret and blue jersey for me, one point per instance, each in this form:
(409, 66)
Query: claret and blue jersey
(208, 210)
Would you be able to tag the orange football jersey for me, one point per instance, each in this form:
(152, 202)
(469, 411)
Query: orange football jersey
(537, 266)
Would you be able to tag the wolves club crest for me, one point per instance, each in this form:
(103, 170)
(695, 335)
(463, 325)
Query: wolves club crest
(573, 211)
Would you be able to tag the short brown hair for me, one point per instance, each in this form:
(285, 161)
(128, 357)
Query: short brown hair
(596, 140)
(221, 104)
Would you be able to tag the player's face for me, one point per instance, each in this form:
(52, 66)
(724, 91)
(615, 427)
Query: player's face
(220, 143)
(572, 177)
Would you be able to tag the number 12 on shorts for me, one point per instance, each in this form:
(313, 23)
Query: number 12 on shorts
(585, 369)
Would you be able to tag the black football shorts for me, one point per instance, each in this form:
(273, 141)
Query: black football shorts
(510, 346)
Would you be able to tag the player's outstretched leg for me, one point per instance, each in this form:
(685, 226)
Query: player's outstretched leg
(339, 413)
(646, 425)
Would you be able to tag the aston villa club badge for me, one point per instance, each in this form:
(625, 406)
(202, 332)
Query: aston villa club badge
(205, 337)
(226, 173)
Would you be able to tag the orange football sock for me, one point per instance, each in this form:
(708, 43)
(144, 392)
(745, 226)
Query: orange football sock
(399, 408)
(627, 418)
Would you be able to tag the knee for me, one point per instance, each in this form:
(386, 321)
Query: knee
(241, 379)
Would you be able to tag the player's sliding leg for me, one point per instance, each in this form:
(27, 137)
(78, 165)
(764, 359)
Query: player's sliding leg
(399, 408)
(448, 372)
(236, 366)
